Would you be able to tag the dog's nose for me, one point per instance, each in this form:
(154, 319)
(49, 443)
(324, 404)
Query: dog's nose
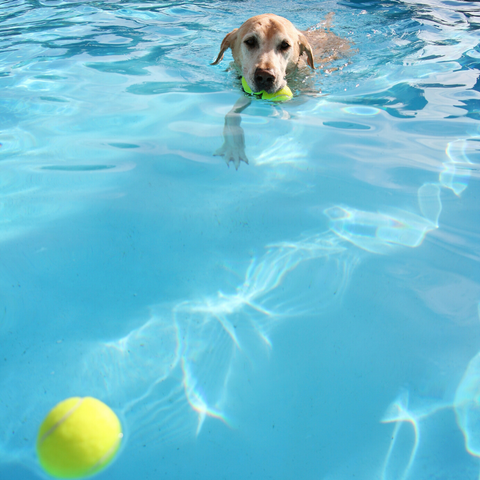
(264, 79)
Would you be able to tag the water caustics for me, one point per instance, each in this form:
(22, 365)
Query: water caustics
(192, 347)
(197, 341)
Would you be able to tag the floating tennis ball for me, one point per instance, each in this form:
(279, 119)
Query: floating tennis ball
(78, 438)
(281, 96)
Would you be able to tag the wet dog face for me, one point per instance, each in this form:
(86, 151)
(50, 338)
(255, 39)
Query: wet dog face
(266, 48)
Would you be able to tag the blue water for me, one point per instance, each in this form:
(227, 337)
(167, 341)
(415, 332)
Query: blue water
(311, 315)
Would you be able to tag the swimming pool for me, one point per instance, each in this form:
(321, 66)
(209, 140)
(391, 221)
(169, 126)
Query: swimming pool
(314, 314)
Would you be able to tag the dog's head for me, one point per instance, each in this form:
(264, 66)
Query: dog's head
(266, 48)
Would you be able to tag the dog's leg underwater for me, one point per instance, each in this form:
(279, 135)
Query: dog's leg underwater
(233, 148)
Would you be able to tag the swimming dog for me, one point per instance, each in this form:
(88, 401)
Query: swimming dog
(266, 49)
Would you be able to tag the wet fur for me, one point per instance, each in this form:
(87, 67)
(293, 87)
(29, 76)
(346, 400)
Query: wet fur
(272, 45)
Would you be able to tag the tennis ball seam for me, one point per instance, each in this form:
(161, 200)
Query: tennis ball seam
(106, 456)
(59, 422)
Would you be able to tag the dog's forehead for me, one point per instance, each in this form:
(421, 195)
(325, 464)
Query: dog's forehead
(268, 26)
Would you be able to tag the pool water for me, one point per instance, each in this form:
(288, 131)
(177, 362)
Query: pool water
(311, 315)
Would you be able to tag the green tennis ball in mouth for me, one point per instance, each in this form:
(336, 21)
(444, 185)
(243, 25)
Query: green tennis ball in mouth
(282, 95)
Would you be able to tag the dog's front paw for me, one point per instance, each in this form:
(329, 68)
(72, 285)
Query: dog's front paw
(233, 148)
(235, 154)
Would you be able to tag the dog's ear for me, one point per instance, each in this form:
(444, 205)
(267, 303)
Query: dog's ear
(227, 43)
(306, 48)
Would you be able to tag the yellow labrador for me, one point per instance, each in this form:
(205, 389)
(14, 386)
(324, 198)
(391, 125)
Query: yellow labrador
(266, 49)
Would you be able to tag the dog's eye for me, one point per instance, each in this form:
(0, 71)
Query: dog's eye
(251, 42)
(284, 46)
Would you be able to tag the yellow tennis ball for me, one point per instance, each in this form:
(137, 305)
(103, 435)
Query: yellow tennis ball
(78, 438)
(282, 95)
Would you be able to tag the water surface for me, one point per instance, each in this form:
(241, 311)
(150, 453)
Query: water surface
(314, 314)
